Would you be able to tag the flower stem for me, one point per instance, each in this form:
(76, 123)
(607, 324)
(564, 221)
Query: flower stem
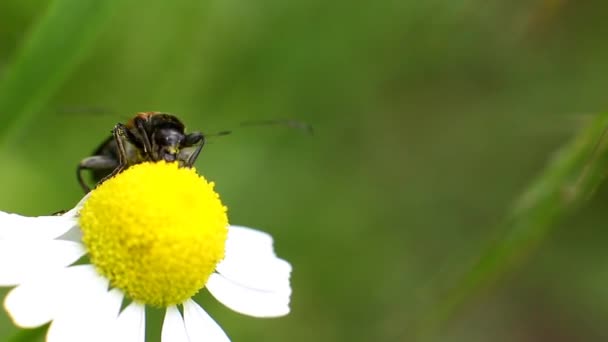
(567, 182)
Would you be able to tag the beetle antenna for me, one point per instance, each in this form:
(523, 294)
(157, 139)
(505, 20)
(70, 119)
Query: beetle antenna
(218, 134)
(299, 125)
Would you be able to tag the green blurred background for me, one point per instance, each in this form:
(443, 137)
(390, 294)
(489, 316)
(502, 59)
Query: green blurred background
(430, 118)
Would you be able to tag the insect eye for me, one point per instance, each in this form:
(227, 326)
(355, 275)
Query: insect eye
(168, 137)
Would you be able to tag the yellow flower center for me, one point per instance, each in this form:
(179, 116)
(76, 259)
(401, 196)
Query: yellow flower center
(156, 231)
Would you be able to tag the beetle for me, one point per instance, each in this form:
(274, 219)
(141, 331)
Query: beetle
(148, 136)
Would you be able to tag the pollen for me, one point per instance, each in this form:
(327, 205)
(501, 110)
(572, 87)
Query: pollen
(156, 231)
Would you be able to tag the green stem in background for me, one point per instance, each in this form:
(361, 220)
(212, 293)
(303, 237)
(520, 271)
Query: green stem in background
(52, 50)
(29, 335)
(568, 181)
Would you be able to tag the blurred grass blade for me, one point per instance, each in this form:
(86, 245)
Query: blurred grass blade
(566, 183)
(52, 50)
(30, 335)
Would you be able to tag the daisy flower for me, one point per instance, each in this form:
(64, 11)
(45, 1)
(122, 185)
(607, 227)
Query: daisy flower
(153, 235)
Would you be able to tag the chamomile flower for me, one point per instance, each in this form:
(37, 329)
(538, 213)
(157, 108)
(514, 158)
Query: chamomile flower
(153, 235)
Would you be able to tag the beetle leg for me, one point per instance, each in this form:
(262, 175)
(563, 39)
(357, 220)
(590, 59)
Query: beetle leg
(119, 134)
(94, 163)
(192, 139)
(141, 129)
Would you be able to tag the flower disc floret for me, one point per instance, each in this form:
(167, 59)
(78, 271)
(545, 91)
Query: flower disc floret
(156, 231)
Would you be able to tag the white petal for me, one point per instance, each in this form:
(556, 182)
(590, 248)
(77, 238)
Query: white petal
(266, 273)
(200, 326)
(249, 301)
(21, 260)
(73, 234)
(40, 300)
(89, 317)
(109, 307)
(33, 304)
(130, 325)
(250, 261)
(247, 241)
(13, 226)
(173, 327)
